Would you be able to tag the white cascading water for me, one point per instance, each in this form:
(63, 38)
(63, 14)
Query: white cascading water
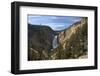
(55, 42)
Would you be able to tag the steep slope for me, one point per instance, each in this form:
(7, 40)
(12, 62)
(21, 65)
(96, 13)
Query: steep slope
(72, 42)
(39, 42)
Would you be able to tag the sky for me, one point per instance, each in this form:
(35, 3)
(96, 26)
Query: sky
(55, 22)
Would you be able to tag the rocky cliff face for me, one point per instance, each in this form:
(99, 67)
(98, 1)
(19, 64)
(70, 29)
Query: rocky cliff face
(72, 41)
(39, 42)
(77, 28)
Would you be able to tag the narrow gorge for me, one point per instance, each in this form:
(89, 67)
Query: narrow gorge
(47, 44)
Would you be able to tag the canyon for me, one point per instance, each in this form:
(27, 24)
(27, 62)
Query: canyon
(47, 44)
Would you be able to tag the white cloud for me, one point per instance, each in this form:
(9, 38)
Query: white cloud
(54, 17)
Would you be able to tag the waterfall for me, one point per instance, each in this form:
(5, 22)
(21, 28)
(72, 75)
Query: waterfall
(55, 42)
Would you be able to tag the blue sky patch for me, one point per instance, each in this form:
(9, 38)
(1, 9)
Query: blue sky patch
(55, 22)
